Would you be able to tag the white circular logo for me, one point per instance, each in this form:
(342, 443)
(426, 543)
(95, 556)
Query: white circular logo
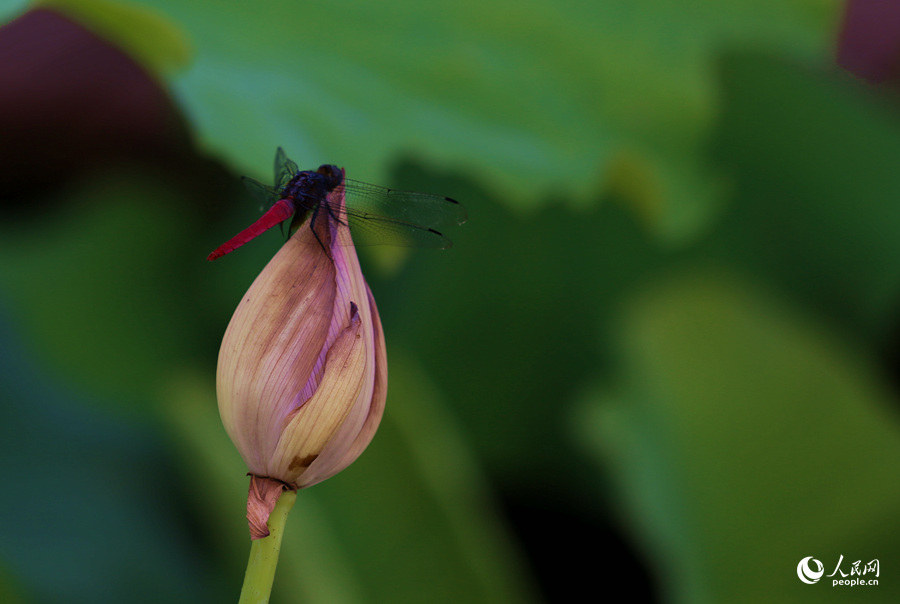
(807, 574)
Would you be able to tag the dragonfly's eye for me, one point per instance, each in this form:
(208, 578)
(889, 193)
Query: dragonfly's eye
(332, 173)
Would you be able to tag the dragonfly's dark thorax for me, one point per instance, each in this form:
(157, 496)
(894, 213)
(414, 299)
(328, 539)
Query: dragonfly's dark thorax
(309, 188)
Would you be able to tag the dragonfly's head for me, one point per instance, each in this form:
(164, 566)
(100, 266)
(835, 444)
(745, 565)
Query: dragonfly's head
(333, 175)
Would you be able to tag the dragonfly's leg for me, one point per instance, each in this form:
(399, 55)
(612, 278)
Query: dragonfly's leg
(334, 216)
(313, 226)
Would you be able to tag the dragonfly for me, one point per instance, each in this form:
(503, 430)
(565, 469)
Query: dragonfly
(375, 215)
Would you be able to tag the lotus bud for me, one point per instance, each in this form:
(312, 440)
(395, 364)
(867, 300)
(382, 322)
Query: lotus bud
(302, 373)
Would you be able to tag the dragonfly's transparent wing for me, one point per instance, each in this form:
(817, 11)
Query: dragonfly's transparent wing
(378, 215)
(285, 169)
(377, 230)
(264, 194)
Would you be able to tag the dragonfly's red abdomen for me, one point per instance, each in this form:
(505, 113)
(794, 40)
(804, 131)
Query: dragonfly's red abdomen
(278, 213)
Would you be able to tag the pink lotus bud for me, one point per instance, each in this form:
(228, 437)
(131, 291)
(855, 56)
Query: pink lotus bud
(302, 375)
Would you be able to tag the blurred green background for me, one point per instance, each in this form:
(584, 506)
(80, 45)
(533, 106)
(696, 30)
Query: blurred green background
(660, 360)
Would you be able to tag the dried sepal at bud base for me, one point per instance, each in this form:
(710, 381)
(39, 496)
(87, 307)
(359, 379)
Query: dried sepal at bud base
(302, 375)
(264, 494)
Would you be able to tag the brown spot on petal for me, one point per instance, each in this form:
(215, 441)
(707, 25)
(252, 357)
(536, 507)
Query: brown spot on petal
(301, 463)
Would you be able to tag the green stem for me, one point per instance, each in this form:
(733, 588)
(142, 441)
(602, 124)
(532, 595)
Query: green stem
(264, 554)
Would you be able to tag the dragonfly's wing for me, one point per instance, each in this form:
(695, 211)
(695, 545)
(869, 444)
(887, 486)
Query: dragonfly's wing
(285, 168)
(433, 211)
(379, 215)
(369, 229)
(264, 194)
